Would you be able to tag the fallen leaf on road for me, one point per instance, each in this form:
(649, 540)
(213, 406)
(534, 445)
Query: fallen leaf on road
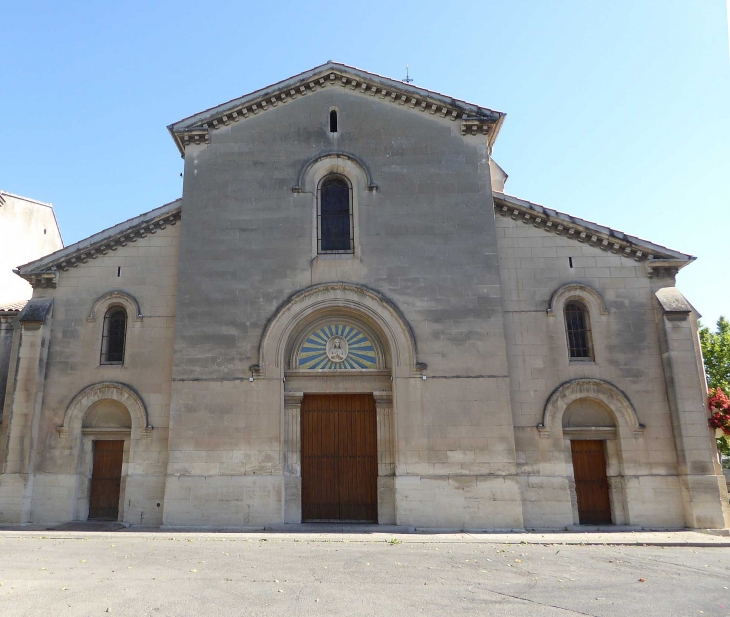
(642, 580)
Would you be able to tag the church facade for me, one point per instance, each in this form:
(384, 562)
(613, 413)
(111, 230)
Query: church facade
(346, 318)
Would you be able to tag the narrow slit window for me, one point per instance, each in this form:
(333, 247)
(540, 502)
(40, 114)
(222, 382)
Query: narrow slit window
(333, 121)
(113, 340)
(577, 326)
(335, 226)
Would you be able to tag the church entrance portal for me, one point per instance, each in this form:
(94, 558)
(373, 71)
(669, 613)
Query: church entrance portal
(106, 480)
(339, 458)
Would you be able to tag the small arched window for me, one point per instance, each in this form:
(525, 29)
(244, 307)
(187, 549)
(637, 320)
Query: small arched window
(335, 229)
(578, 329)
(333, 121)
(114, 336)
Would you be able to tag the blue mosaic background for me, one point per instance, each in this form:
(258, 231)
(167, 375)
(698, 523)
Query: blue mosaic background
(361, 353)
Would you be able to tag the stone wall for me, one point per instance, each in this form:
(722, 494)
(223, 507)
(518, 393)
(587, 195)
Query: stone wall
(56, 480)
(642, 465)
(425, 239)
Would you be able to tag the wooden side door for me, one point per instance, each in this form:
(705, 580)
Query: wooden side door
(339, 458)
(106, 479)
(591, 482)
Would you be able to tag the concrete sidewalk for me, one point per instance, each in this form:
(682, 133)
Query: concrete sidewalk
(369, 574)
(384, 533)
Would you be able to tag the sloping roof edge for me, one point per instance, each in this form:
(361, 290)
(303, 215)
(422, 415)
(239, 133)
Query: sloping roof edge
(105, 240)
(38, 203)
(586, 231)
(12, 307)
(30, 199)
(301, 83)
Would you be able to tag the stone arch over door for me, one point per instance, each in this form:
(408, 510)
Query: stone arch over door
(367, 305)
(101, 412)
(395, 357)
(600, 412)
(84, 400)
(609, 395)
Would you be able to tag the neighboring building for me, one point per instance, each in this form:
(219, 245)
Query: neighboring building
(346, 318)
(28, 230)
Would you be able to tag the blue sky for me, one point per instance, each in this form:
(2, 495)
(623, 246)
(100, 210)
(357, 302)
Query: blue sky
(617, 112)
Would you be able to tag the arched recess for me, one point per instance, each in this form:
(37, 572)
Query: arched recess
(73, 419)
(595, 389)
(366, 305)
(343, 163)
(572, 291)
(103, 302)
(333, 304)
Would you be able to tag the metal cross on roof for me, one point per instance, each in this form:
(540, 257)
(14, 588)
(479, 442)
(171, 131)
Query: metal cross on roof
(408, 78)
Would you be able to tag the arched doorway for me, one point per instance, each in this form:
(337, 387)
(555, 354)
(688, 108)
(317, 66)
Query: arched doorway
(108, 425)
(101, 426)
(337, 362)
(596, 427)
(588, 424)
(340, 350)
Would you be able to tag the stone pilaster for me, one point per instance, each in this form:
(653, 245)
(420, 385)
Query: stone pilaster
(24, 400)
(292, 433)
(292, 447)
(386, 458)
(705, 497)
(6, 344)
(386, 454)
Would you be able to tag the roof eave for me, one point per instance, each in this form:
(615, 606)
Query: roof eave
(102, 238)
(287, 89)
(617, 240)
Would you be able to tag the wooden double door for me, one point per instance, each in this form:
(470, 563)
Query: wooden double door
(106, 480)
(591, 481)
(339, 458)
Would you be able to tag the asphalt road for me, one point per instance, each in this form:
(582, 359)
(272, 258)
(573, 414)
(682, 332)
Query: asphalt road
(265, 574)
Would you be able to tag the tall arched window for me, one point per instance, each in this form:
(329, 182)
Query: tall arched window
(335, 229)
(333, 121)
(114, 336)
(578, 329)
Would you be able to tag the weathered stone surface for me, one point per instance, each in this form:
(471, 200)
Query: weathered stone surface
(471, 372)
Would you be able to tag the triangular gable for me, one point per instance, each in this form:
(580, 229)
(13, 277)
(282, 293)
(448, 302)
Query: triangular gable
(475, 120)
(43, 272)
(659, 259)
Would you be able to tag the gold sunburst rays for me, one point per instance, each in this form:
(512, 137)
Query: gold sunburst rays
(358, 349)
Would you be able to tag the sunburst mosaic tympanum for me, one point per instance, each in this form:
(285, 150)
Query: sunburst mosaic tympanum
(337, 346)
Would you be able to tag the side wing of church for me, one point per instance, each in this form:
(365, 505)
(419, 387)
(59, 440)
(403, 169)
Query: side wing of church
(346, 318)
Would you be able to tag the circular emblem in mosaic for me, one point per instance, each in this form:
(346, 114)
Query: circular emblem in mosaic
(337, 346)
(337, 349)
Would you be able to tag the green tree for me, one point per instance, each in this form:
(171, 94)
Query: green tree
(716, 353)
